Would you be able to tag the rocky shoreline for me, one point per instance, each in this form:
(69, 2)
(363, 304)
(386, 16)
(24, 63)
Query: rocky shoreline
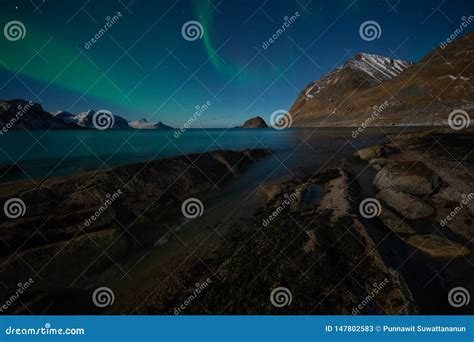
(311, 239)
(78, 225)
(308, 235)
(424, 184)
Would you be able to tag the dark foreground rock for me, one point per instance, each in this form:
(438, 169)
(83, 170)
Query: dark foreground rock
(75, 225)
(300, 254)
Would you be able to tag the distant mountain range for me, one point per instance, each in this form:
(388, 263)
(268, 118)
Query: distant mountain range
(19, 114)
(422, 93)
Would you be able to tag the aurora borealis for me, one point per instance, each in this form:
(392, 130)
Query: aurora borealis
(142, 67)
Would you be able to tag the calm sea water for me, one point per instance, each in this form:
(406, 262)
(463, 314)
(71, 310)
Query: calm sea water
(44, 154)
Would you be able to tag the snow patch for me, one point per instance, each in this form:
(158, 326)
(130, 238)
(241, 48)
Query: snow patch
(452, 77)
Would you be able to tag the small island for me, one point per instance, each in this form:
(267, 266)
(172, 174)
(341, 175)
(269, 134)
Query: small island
(256, 122)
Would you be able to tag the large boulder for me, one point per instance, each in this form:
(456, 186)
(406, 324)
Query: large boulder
(368, 153)
(375, 151)
(407, 205)
(437, 246)
(410, 177)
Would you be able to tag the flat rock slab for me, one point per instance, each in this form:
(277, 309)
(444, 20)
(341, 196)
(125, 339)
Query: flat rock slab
(438, 246)
(407, 205)
(410, 177)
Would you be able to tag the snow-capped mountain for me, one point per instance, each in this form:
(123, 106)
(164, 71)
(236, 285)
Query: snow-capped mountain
(62, 114)
(363, 71)
(325, 95)
(86, 119)
(378, 68)
(421, 93)
(144, 124)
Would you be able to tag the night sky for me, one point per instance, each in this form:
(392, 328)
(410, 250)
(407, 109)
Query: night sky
(143, 67)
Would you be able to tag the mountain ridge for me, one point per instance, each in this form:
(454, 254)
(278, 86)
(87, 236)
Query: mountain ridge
(423, 93)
